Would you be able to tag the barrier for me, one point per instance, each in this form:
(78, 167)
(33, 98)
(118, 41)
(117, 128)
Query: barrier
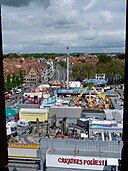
(24, 146)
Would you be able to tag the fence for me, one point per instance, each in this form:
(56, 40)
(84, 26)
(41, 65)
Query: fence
(85, 145)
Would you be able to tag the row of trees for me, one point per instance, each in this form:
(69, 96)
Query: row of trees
(13, 81)
(112, 69)
(35, 55)
(103, 57)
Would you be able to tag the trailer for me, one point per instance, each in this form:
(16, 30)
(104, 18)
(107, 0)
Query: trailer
(33, 114)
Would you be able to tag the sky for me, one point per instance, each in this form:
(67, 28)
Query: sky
(38, 26)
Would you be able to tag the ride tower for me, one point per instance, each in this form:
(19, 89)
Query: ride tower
(68, 55)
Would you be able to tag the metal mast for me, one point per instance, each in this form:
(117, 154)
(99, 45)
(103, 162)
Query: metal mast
(68, 67)
(3, 137)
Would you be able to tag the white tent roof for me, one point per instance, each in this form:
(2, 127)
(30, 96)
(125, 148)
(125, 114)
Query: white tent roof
(74, 84)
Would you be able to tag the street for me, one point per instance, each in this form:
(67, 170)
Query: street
(59, 74)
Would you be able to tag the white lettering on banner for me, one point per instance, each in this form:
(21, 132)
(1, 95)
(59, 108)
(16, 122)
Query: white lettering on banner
(81, 162)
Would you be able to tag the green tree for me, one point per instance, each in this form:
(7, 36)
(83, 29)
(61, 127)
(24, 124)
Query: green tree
(13, 55)
(13, 80)
(63, 64)
(75, 72)
(17, 80)
(83, 70)
(110, 69)
(115, 68)
(5, 87)
(101, 68)
(21, 77)
(90, 70)
(8, 82)
(104, 58)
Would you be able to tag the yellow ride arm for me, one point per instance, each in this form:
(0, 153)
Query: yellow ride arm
(76, 100)
(101, 97)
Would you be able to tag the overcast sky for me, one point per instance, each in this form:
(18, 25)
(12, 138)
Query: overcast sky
(36, 26)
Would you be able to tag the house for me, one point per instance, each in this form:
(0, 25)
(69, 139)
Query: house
(32, 76)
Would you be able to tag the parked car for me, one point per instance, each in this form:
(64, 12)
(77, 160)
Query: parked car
(23, 123)
(11, 98)
(17, 92)
(6, 97)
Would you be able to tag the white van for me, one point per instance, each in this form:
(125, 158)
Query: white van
(18, 91)
(23, 123)
(11, 127)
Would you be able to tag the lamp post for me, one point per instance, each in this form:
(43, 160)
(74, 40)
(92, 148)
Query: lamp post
(3, 136)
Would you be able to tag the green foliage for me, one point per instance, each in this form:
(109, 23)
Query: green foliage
(5, 87)
(13, 55)
(12, 82)
(21, 77)
(100, 68)
(112, 68)
(82, 71)
(17, 80)
(46, 56)
(104, 58)
(9, 83)
(35, 55)
(89, 84)
(63, 64)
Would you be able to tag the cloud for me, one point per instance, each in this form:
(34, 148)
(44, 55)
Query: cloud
(90, 4)
(107, 16)
(52, 25)
(19, 3)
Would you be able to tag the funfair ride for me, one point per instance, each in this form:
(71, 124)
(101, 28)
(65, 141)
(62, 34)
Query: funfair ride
(99, 101)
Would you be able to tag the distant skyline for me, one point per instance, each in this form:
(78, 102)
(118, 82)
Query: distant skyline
(38, 26)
